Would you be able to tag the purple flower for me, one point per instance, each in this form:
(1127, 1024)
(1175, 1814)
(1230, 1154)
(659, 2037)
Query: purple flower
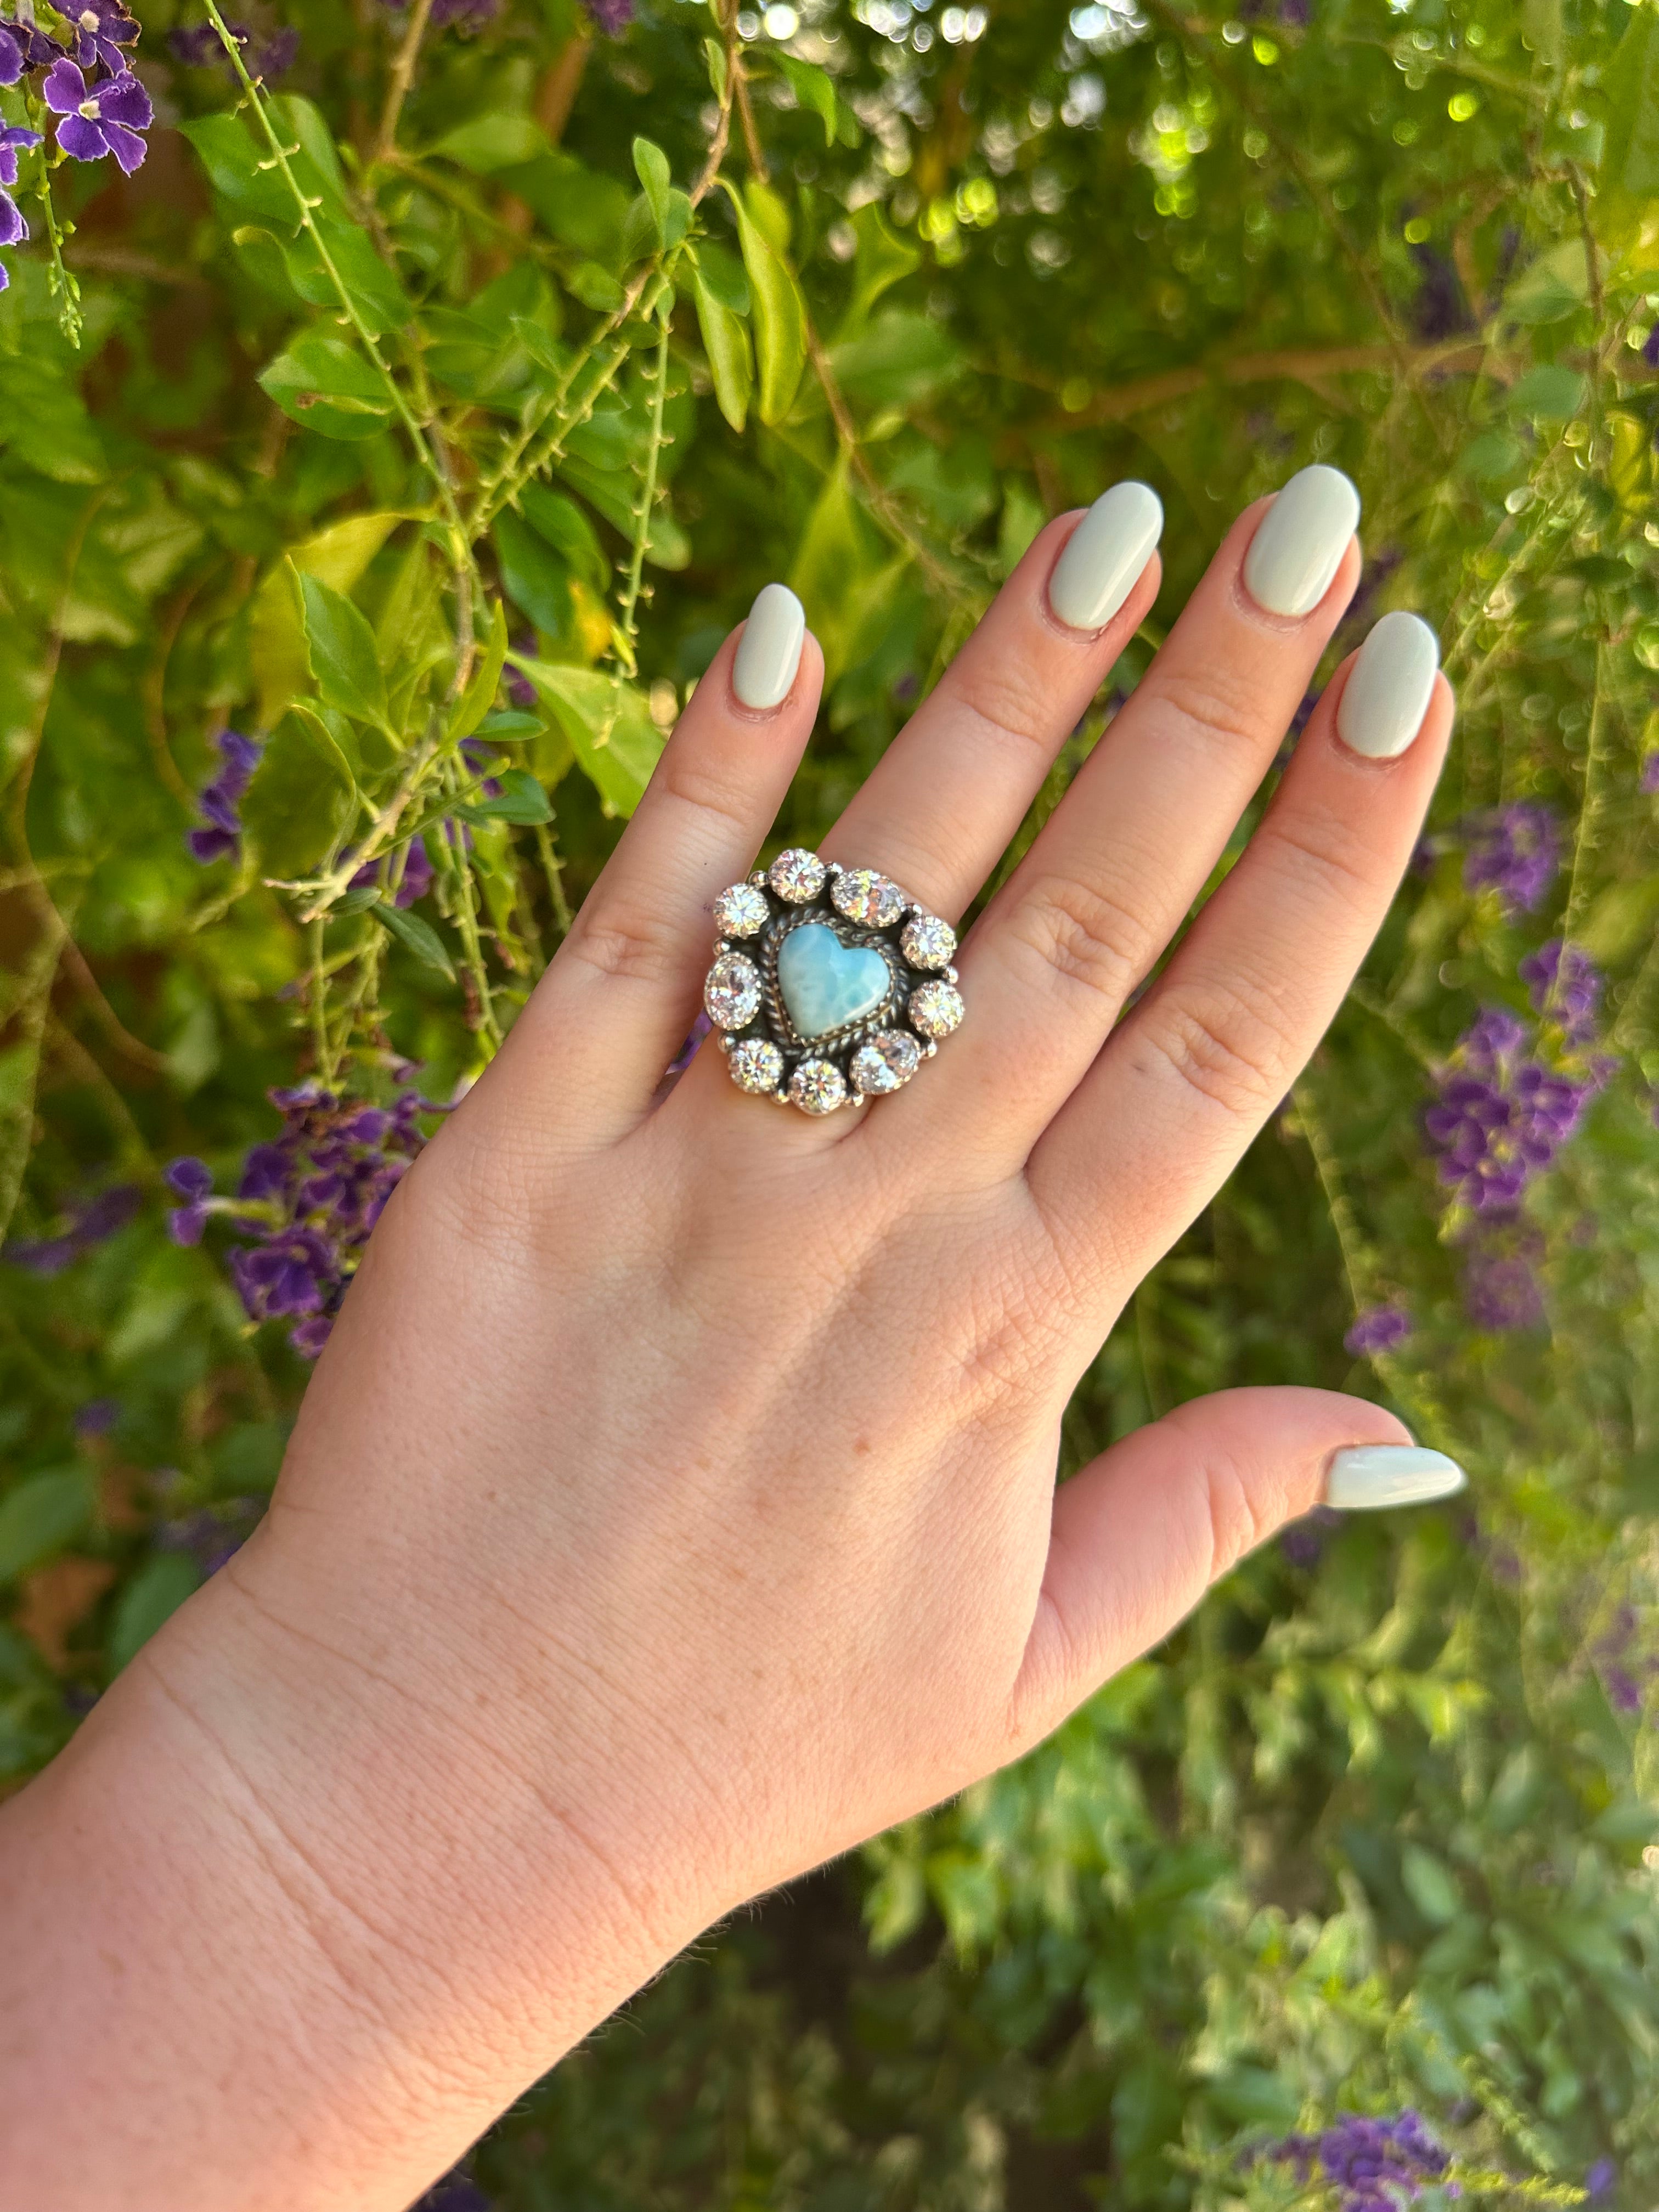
(221, 800)
(1378, 1328)
(455, 2193)
(1500, 1290)
(1565, 984)
(1500, 1120)
(524, 695)
(102, 28)
(97, 1417)
(213, 1533)
(22, 46)
(611, 16)
(201, 48)
(286, 1276)
(1647, 781)
(416, 877)
(107, 120)
(1514, 851)
(1439, 311)
(192, 1180)
(1367, 2160)
(469, 14)
(1304, 1542)
(88, 1222)
(14, 141)
(1599, 2181)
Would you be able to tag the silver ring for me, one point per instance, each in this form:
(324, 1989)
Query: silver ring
(829, 985)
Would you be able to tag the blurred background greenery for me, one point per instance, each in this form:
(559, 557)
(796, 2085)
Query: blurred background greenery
(408, 420)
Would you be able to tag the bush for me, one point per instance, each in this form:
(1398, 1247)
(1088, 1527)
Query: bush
(381, 462)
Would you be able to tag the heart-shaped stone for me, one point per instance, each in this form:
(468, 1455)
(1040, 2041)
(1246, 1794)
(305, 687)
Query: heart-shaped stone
(824, 983)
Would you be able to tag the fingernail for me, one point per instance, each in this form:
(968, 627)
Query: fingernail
(769, 653)
(1299, 543)
(1369, 1476)
(1105, 555)
(1387, 693)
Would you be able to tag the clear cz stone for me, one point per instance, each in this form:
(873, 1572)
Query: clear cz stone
(886, 1063)
(732, 992)
(936, 1009)
(863, 895)
(816, 1087)
(756, 1065)
(796, 876)
(742, 911)
(927, 942)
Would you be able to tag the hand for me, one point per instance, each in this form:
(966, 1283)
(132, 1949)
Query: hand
(675, 1505)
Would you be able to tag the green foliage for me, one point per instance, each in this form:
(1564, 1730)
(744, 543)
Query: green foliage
(440, 463)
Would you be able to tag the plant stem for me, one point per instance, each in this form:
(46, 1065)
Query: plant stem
(553, 869)
(64, 283)
(403, 76)
(460, 550)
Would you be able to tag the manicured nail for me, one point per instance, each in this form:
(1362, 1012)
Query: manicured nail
(1300, 542)
(769, 653)
(1369, 1476)
(1105, 555)
(1387, 693)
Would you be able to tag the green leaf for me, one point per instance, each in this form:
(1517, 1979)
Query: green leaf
(813, 89)
(1550, 287)
(479, 697)
(154, 1593)
(595, 288)
(521, 800)
(567, 530)
(1431, 1885)
(327, 385)
(485, 144)
(582, 208)
(510, 726)
(833, 560)
(1629, 158)
(779, 317)
(609, 724)
(883, 260)
(233, 162)
(42, 1516)
(416, 932)
(651, 167)
(534, 576)
(612, 491)
(731, 355)
(302, 798)
(725, 276)
(769, 215)
(340, 645)
(898, 361)
(336, 556)
(713, 55)
(643, 234)
(1551, 389)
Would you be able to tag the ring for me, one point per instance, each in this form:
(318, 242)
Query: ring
(829, 985)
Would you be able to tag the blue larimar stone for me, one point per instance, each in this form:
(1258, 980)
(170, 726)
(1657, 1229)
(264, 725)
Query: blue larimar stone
(825, 983)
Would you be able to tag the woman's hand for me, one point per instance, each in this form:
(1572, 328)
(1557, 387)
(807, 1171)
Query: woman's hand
(675, 1505)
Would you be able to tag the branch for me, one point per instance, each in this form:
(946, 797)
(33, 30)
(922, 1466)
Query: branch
(403, 76)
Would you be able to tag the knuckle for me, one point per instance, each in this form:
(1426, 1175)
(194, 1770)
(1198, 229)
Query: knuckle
(1007, 706)
(689, 778)
(1225, 1044)
(1084, 936)
(1209, 703)
(624, 946)
(1234, 1522)
(1325, 852)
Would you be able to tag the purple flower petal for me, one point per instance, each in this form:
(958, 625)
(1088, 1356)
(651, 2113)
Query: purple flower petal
(82, 139)
(64, 87)
(124, 99)
(12, 228)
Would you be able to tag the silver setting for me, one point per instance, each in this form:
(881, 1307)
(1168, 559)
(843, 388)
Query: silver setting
(868, 1058)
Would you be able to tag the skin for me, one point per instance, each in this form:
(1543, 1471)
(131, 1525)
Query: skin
(675, 1506)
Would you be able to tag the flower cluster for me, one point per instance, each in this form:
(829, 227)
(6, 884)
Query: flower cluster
(1502, 1115)
(309, 1200)
(200, 46)
(414, 882)
(1515, 851)
(221, 799)
(471, 15)
(1621, 1667)
(86, 1224)
(106, 111)
(1565, 986)
(1374, 2163)
(1378, 1328)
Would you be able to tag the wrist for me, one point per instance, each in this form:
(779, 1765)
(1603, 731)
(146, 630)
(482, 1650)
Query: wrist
(266, 1860)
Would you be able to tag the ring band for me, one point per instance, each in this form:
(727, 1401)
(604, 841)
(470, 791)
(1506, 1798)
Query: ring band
(829, 985)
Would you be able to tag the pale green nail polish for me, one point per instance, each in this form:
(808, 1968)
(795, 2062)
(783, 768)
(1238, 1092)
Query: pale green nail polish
(1105, 555)
(1367, 1477)
(769, 653)
(1300, 541)
(1388, 688)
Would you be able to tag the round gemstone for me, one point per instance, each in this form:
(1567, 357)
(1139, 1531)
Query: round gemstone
(756, 1065)
(936, 1009)
(927, 942)
(741, 912)
(732, 992)
(889, 1059)
(796, 876)
(863, 895)
(816, 1087)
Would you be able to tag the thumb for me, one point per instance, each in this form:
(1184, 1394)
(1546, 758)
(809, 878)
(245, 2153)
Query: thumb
(1142, 1532)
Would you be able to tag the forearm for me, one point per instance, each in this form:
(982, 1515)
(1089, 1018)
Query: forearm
(269, 1944)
